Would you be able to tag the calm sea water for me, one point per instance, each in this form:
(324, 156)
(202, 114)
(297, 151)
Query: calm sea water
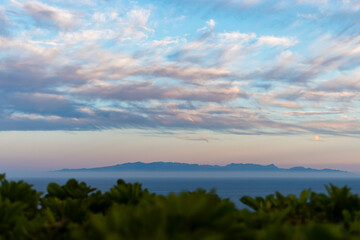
(226, 186)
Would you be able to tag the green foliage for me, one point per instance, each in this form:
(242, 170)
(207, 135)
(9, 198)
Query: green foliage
(72, 189)
(195, 215)
(127, 211)
(20, 192)
(127, 193)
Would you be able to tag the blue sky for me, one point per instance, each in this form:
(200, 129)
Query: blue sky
(190, 71)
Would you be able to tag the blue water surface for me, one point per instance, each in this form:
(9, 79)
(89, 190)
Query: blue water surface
(226, 186)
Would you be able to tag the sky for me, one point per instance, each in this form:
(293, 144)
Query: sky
(92, 83)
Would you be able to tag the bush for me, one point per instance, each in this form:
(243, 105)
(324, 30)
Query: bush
(127, 211)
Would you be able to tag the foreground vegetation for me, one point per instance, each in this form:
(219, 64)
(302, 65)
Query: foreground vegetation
(126, 211)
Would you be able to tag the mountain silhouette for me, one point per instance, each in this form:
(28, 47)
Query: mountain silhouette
(175, 166)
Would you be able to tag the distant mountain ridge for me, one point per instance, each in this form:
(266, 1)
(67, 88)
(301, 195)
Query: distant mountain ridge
(175, 166)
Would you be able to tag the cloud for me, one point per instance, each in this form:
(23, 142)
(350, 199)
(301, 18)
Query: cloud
(147, 91)
(122, 66)
(135, 25)
(40, 103)
(211, 23)
(309, 113)
(270, 101)
(101, 17)
(326, 54)
(190, 74)
(342, 84)
(335, 127)
(202, 138)
(228, 49)
(87, 36)
(236, 36)
(277, 41)
(210, 26)
(4, 22)
(103, 119)
(317, 2)
(164, 42)
(46, 15)
(317, 94)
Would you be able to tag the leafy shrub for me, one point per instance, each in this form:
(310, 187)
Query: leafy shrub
(127, 211)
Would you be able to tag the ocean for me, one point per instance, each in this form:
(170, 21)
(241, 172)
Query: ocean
(226, 185)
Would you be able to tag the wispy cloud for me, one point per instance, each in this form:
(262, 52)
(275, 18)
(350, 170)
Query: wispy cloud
(135, 25)
(4, 22)
(46, 15)
(201, 138)
(104, 66)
